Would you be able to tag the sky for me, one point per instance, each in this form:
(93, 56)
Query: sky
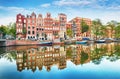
(106, 10)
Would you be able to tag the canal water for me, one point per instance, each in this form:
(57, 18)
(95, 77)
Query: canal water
(98, 61)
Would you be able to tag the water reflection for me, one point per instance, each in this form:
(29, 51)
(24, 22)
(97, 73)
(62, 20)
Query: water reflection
(33, 57)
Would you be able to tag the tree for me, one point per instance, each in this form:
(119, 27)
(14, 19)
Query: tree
(12, 29)
(4, 29)
(9, 29)
(102, 31)
(84, 26)
(84, 57)
(69, 32)
(117, 31)
(69, 52)
(24, 30)
(112, 25)
(96, 28)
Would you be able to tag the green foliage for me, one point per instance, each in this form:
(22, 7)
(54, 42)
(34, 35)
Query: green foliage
(84, 57)
(11, 56)
(112, 24)
(24, 30)
(55, 34)
(10, 29)
(98, 29)
(84, 26)
(117, 31)
(69, 52)
(4, 29)
(97, 54)
(69, 32)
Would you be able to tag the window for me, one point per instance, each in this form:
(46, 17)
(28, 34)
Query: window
(28, 27)
(33, 27)
(28, 32)
(19, 20)
(33, 21)
(24, 25)
(24, 21)
(37, 29)
(42, 34)
(28, 21)
(33, 32)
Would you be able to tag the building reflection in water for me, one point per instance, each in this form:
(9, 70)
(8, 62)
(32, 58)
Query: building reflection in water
(41, 56)
(47, 56)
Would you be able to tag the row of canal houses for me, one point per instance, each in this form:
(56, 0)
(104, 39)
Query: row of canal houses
(47, 28)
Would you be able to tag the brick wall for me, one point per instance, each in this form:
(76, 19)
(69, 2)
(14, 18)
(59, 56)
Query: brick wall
(26, 42)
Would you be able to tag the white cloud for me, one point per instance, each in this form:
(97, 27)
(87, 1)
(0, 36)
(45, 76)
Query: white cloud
(13, 9)
(104, 16)
(96, 4)
(7, 20)
(11, 13)
(45, 5)
(72, 2)
(16, 10)
(113, 7)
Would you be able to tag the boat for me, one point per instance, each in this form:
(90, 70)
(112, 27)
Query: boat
(109, 40)
(68, 42)
(45, 43)
(116, 40)
(81, 42)
(100, 41)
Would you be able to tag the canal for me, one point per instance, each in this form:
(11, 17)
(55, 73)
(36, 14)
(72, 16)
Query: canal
(98, 61)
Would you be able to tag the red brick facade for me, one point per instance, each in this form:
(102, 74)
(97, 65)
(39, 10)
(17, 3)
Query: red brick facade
(20, 26)
(48, 26)
(63, 21)
(75, 25)
(31, 26)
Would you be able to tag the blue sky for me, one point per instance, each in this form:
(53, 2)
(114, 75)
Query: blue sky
(106, 10)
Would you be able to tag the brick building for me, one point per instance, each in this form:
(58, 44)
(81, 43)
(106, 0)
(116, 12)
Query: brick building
(63, 20)
(31, 26)
(36, 27)
(20, 26)
(40, 27)
(48, 26)
(75, 25)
